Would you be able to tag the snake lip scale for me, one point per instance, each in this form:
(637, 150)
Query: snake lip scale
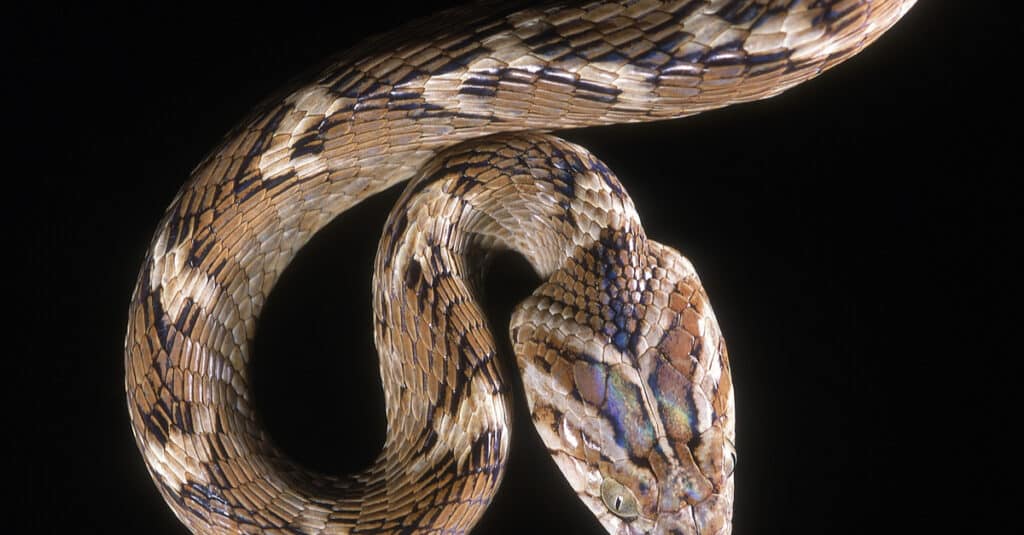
(623, 364)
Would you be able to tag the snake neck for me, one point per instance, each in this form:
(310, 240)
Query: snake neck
(619, 396)
(534, 195)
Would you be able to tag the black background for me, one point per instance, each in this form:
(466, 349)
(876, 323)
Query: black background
(853, 234)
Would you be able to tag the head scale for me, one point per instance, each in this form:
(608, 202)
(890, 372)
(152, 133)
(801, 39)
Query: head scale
(632, 394)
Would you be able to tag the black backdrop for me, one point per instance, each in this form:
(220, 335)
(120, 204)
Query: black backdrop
(852, 234)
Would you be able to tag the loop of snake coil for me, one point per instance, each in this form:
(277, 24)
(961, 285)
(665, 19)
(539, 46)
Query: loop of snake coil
(623, 365)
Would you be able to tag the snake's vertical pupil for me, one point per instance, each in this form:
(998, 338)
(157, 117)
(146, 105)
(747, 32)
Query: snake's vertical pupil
(619, 499)
(730, 466)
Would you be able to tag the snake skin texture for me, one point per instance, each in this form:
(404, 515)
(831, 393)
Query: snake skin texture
(623, 364)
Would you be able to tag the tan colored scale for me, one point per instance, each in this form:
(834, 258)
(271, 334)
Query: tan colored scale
(651, 450)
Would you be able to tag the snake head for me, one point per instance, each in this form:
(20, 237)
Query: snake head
(634, 402)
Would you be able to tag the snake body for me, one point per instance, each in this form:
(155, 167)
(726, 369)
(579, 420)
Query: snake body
(625, 370)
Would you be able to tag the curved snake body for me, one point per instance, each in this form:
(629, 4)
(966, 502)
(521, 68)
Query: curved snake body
(622, 361)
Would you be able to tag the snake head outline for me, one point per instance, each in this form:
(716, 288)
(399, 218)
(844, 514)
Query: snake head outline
(636, 405)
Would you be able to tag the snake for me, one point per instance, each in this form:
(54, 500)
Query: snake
(624, 367)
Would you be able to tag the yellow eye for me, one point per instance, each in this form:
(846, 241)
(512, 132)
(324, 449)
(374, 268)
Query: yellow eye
(729, 458)
(619, 499)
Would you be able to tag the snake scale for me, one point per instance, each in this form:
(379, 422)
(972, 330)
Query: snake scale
(625, 370)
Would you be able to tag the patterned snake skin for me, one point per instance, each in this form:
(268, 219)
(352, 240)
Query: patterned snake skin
(625, 371)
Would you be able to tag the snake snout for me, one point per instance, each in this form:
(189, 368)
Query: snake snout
(712, 516)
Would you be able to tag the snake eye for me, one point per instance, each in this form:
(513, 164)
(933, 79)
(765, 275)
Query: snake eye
(619, 499)
(729, 458)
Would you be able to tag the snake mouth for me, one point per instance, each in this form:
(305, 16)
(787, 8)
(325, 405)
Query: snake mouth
(711, 516)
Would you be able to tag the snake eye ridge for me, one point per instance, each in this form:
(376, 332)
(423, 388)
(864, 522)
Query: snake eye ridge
(619, 499)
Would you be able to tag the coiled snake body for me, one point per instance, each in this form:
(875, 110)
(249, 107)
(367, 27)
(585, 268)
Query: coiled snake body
(624, 367)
